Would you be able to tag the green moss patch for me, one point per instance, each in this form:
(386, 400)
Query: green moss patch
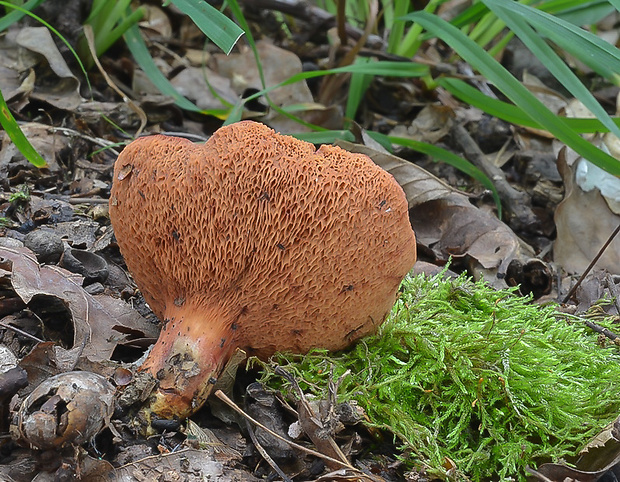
(483, 378)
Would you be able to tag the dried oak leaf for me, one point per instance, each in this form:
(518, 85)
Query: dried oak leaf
(100, 323)
(584, 221)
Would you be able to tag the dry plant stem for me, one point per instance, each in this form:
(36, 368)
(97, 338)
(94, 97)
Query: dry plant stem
(602, 330)
(222, 396)
(320, 428)
(264, 453)
(98, 141)
(613, 290)
(90, 39)
(516, 202)
(21, 332)
(332, 83)
(538, 475)
(341, 22)
(591, 265)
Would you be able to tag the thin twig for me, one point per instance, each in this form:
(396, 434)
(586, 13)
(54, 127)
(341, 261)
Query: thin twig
(602, 330)
(514, 200)
(613, 290)
(222, 396)
(90, 40)
(21, 332)
(591, 265)
(264, 453)
(95, 140)
(538, 475)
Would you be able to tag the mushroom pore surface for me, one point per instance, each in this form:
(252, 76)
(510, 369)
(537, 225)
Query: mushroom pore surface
(256, 240)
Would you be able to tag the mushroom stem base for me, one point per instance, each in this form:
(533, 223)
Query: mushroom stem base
(186, 360)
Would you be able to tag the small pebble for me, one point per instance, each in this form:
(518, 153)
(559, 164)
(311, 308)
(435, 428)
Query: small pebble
(46, 244)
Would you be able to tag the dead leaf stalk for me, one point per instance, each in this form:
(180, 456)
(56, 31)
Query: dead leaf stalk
(264, 453)
(516, 201)
(21, 332)
(222, 396)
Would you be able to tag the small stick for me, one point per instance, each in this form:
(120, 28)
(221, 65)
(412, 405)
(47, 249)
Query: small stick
(264, 453)
(538, 475)
(591, 265)
(613, 290)
(602, 330)
(21, 332)
(222, 396)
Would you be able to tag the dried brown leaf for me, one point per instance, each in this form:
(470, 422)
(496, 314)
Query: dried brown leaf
(100, 323)
(583, 222)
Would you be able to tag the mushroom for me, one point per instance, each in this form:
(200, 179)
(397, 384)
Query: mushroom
(254, 240)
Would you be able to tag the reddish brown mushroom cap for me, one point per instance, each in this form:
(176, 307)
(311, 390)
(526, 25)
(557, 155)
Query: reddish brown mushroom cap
(255, 240)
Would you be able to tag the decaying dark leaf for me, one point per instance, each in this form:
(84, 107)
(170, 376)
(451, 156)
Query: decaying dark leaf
(190, 465)
(100, 323)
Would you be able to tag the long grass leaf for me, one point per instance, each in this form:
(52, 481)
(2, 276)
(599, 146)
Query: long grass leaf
(452, 159)
(140, 52)
(514, 90)
(511, 113)
(218, 27)
(14, 16)
(15, 133)
(584, 13)
(387, 68)
(616, 4)
(357, 88)
(551, 61)
(596, 53)
(325, 137)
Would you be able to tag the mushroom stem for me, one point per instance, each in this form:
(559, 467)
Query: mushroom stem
(187, 359)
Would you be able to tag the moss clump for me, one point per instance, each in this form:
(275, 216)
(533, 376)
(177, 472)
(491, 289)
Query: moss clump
(481, 377)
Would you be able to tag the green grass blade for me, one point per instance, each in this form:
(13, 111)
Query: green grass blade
(14, 132)
(514, 90)
(398, 27)
(596, 53)
(511, 113)
(10, 18)
(140, 52)
(588, 13)
(117, 32)
(325, 137)
(220, 29)
(551, 60)
(470, 16)
(616, 4)
(387, 68)
(357, 88)
(452, 159)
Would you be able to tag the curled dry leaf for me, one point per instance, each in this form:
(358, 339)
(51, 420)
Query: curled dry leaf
(448, 225)
(100, 323)
(66, 409)
(584, 221)
(62, 92)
